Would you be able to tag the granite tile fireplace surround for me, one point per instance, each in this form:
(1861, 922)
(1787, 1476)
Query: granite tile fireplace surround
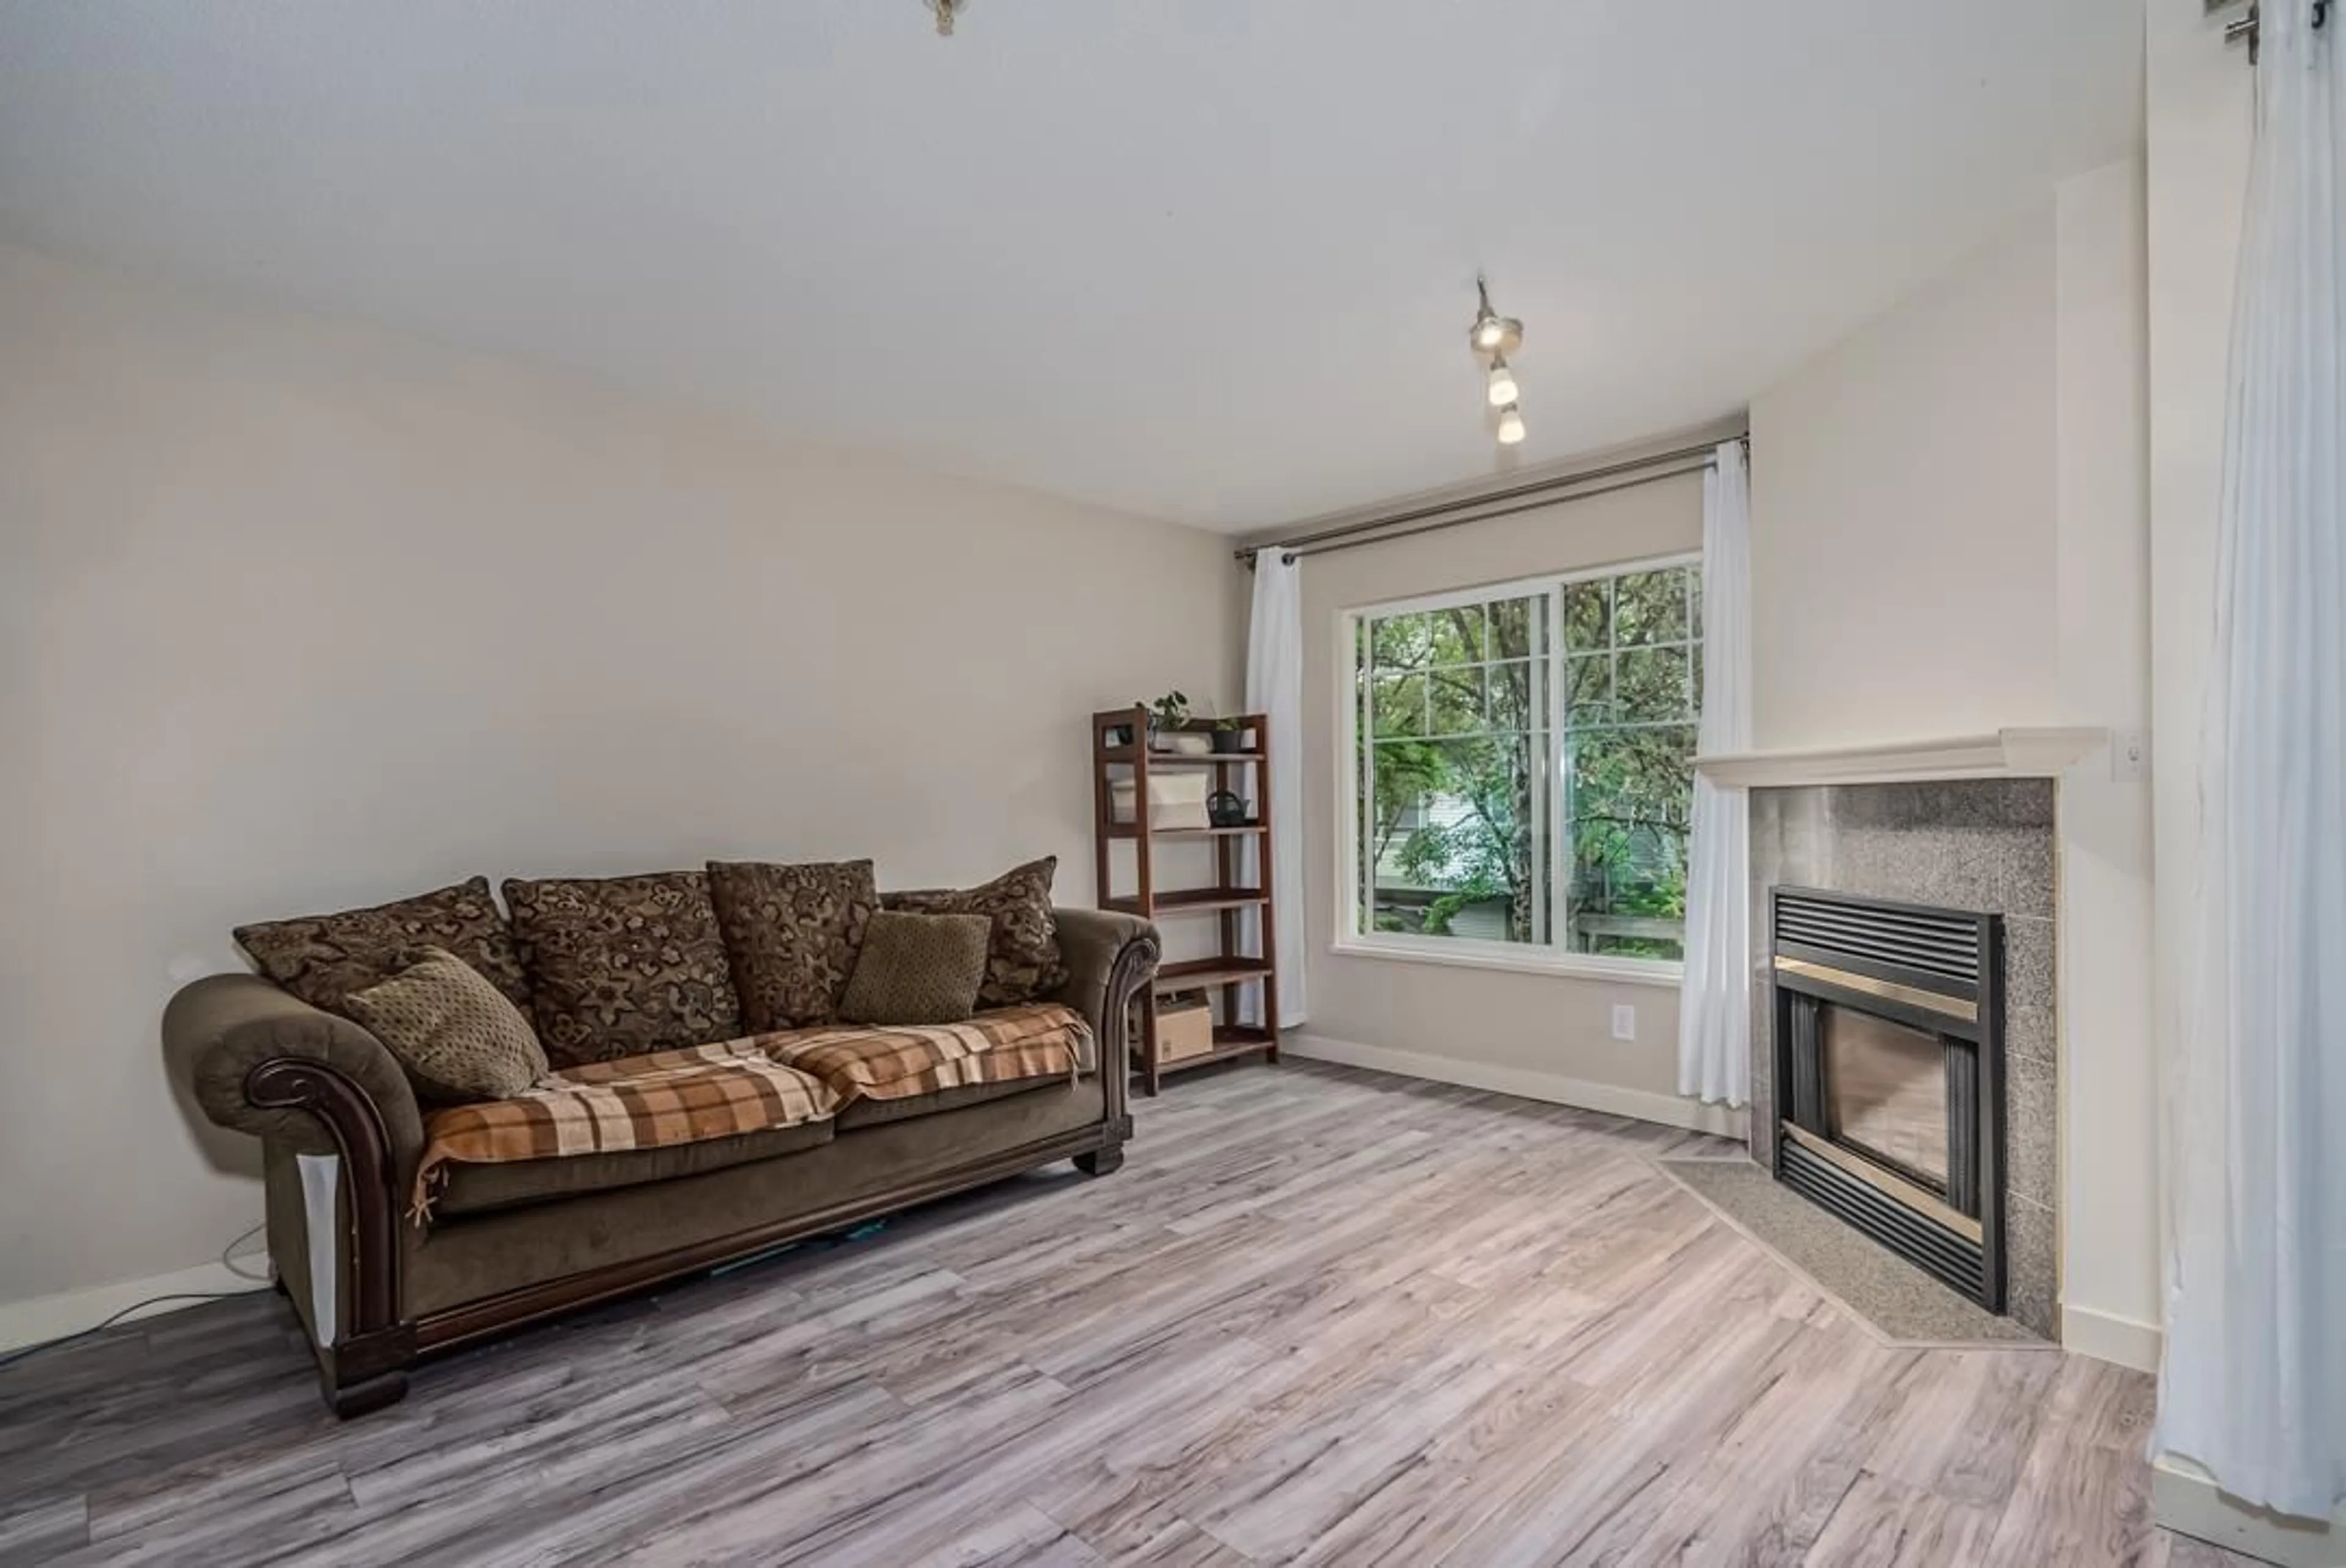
(1983, 845)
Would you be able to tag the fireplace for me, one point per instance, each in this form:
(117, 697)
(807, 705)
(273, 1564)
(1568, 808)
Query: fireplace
(1890, 1067)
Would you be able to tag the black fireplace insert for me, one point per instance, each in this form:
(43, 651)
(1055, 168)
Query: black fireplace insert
(1890, 1074)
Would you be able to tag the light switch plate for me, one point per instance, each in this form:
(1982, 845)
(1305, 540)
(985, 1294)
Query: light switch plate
(1625, 1021)
(2129, 756)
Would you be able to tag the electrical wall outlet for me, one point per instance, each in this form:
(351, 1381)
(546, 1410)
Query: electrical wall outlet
(1625, 1021)
(2129, 756)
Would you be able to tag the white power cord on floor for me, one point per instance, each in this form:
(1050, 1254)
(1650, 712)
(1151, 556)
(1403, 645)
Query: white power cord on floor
(228, 1262)
(111, 1318)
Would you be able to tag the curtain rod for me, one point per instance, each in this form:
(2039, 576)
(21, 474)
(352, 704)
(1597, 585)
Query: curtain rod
(1536, 493)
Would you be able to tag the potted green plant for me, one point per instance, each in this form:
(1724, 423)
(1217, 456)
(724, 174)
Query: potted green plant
(1167, 716)
(1229, 734)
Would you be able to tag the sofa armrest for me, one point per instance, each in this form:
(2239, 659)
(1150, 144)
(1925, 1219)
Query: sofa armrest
(1110, 958)
(262, 1060)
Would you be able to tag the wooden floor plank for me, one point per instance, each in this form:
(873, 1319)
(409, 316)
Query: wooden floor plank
(1885, 1523)
(1322, 1317)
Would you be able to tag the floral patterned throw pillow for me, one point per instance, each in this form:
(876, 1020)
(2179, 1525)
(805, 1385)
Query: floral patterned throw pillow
(619, 966)
(793, 933)
(322, 959)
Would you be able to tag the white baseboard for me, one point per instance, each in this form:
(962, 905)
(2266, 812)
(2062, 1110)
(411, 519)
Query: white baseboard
(2108, 1336)
(1668, 1110)
(45, 1317)
(2185, 1499)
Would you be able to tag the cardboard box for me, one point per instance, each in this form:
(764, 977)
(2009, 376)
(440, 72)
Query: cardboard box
(1185, 1028)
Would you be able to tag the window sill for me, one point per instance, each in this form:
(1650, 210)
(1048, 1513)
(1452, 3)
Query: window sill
(1562, 965)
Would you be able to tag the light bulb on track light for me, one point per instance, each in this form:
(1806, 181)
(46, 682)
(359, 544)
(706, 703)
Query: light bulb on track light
(1503, 383)
(1490, 332)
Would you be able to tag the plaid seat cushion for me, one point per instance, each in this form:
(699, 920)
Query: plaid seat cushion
(694, 1094)
(1011, 1044)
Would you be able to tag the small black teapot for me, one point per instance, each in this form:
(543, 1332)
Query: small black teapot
(1226, 808)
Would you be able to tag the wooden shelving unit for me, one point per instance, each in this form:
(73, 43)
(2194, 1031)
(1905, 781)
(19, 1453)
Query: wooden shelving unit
(1120, 750)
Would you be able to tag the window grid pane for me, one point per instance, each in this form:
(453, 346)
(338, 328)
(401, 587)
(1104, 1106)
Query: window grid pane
(1451, 798)
(1458, 784)
(1628, 753)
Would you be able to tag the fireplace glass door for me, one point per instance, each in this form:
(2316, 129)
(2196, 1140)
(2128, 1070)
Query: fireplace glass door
(1886, 1092)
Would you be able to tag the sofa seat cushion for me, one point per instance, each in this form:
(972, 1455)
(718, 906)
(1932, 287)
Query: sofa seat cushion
(874, 1113)
(484, 1189)
(701, 1094)
(876, 1170)
(1036, 1044)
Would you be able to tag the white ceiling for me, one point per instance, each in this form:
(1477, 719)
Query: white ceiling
(1210, 259)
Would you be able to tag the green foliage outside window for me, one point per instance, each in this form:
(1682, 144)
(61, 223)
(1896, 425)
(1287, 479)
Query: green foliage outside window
(1454, 760)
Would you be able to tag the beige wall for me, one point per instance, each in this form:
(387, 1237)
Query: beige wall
(1902, 500)
(294, 617)
(2199, 105)
(1951, 536)
(2110, 1103)
(1525, 1032)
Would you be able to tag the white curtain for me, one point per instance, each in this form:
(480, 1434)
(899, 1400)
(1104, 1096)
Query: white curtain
(1715, 997)
(1274, 687)
(2254, 1384)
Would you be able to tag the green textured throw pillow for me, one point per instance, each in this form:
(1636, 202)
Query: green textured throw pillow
(1024, 962)
(455, 1034)
(917, 969)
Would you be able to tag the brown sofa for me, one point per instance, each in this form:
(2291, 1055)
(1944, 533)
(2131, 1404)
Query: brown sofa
(510, 1244)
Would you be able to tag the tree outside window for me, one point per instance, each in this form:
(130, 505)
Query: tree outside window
(1463, 800)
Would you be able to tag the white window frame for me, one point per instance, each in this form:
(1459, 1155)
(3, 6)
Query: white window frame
(1473, 953)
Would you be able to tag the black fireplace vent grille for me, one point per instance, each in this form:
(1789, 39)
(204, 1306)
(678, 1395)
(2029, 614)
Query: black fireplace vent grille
(1945, 944)
(1959, 1261)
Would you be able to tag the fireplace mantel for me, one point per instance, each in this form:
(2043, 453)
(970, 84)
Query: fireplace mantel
(2021, 753)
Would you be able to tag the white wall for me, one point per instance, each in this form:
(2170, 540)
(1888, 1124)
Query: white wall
(1539, 1034)
(295, 617)
(1902, 501)
(1949, 536)
(2102, 616)
(2198, 105)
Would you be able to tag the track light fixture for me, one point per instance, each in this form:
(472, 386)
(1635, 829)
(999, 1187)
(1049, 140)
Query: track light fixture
(1493, 337)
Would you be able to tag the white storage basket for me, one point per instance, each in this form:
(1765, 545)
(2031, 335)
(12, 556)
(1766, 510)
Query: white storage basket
(1175, 800)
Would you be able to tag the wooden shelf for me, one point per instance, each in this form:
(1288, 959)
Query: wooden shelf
(1130, 831)
(1193, 900)
(1244, 952)
(1196, 972)
(1123, 754)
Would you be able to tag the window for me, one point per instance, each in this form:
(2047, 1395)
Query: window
(1522, 767)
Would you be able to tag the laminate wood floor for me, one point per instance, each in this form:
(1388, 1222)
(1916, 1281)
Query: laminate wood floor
(1322, 1317)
